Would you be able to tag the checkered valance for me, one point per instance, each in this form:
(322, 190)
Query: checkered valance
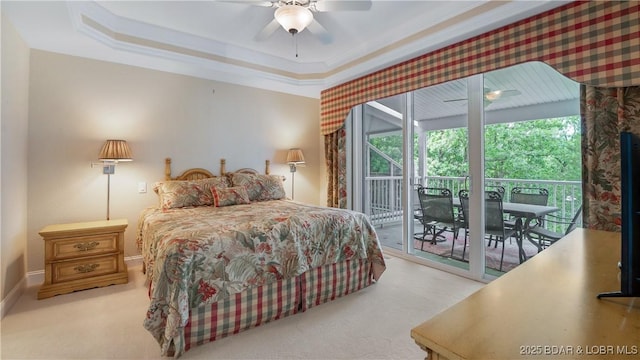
(592, 42)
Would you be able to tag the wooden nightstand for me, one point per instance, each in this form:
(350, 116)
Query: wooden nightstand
(83, 255)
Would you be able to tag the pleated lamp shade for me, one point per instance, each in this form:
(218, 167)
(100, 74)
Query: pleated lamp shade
(295, 156)
(115, 150)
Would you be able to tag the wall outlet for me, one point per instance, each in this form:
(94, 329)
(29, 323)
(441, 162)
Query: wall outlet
(142, 187)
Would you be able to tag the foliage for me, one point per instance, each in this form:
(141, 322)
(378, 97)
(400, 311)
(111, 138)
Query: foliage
(391, 146)
(546, 149)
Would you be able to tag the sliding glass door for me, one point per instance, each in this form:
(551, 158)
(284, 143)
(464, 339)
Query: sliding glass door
(531, 153)
(404, 143)
(440, 156)
(457, 139)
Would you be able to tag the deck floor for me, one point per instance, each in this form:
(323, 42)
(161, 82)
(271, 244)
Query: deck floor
(390, 236)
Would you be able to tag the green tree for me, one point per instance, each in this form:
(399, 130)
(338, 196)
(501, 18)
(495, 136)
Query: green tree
(390, 145)
(546, 149)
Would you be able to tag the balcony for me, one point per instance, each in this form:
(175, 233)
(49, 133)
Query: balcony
(530, 131)
(385, 205)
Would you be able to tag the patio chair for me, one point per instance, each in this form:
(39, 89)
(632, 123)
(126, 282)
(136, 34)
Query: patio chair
(436, 214)
(534, 196)
(463, 195)
(543, 237)
(495, 226)
(498, 188)
(524, 195)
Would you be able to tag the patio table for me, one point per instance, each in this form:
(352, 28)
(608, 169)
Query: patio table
(528, 212)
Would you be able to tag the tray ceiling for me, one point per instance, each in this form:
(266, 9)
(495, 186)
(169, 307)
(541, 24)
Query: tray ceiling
(217, 39)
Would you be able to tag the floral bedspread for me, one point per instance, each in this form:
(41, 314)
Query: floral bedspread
(199, 255)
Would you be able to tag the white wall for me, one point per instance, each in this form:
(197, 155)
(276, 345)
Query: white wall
(13, 163)
(76, 103)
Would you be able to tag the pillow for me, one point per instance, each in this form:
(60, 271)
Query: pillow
(230, 196)
(183, 193)
(260, 187)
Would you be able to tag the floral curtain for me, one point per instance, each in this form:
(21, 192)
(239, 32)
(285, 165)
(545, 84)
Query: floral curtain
(335, 146)
(605, 113)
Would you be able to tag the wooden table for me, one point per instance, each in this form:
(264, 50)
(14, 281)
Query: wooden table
(545, 308)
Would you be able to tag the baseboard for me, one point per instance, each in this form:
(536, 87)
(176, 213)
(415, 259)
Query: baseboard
(12, 297)
(35, 278)
(133, 260)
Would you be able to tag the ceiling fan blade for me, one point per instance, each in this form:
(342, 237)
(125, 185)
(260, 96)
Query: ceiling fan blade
(251, 2)
(510, 92)
(318, 30)
(267, 31)
(492, 95)
(333, 5)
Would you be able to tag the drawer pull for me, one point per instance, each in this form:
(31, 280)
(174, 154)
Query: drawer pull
(86, 245)
(86, 268)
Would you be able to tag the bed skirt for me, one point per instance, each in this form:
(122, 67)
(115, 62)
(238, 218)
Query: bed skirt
(260, 305)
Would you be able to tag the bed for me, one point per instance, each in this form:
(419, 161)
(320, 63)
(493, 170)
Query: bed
(226, 253)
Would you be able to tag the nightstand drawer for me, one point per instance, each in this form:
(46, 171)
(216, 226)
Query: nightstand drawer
(85, 268)
(83, 246)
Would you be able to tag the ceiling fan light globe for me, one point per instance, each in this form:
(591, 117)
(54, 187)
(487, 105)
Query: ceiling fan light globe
(493, 95)
(293, 18)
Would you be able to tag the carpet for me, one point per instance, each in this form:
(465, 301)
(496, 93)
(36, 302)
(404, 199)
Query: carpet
(492, 253)
(106, 323)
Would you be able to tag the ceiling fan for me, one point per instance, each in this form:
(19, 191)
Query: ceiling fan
(492, 95)
(296, 15)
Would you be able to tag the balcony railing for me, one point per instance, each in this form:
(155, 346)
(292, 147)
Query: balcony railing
(385, 205)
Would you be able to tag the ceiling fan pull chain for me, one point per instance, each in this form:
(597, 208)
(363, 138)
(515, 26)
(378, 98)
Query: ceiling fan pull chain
(295, 43)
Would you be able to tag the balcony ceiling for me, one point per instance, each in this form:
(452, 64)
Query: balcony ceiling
(542, 93)
(217, 39)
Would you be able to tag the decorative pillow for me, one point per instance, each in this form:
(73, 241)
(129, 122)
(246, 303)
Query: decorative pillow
(220, 181)
(230, 196)
(183, 193)
(260, 187)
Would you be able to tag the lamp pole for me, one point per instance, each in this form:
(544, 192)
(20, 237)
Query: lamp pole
(292, 168)
(108, 169)
(294, 157)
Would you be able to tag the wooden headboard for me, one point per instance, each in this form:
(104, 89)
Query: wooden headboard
(200, 173)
